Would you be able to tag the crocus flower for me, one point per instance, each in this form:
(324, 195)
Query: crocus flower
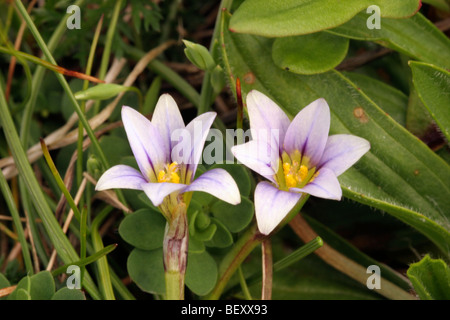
(296, 157)
(165, 172)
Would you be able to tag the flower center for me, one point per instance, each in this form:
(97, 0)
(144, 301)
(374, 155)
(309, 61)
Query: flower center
(295, 171)
(170, 174)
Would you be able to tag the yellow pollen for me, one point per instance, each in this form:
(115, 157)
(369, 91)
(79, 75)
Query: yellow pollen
(314, 176)
(294, 174)
(170, 174)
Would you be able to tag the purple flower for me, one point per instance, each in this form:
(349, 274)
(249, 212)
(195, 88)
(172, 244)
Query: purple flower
(167, 166)
(296, 157)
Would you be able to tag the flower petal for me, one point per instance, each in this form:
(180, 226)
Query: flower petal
(308, 132)
(266, 116)
(325, 185)
(197, 130)
(167, 118)
(342, 151)
(219, 183)
(120, 177)
(148, 147)
(258, 156)
(156, 192)
(272, 205)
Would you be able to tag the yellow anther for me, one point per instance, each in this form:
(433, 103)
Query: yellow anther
(169, 175)
(286, 168)
(290, 181)
(302, 172)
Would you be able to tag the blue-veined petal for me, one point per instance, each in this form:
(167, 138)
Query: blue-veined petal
(120, 177)
(167, 118)
(272, 205)
(198, 130)
(325, 185)
(342, 151)
(266, 116)
(258, 156)
(148, 147)
(156, 192)
(219, 183)
(308, 132)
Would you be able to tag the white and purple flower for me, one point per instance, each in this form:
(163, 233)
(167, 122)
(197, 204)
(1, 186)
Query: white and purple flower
(296, 157)
(163, 172)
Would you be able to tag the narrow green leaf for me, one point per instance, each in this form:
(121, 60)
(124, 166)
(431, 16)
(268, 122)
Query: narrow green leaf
(281, 18)
(433, 86)
(309, 54)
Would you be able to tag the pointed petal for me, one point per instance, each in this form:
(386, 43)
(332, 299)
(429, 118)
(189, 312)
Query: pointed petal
(198, 130)
(146, 143)
(167, 118)
(156, 192)
(325, 185)
(120, 177)
(272, 205)
(258, 156)
(342, 151)
(219, 183)
(308, 132)
(266, 116)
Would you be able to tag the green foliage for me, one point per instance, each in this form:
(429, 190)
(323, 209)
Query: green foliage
(430, 279)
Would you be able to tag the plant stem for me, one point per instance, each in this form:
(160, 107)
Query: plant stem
(347, 266)
(267, 267)
(175, 247)
(246, 243)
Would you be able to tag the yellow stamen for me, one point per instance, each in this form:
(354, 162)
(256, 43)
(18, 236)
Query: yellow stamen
(302, 173)
(314, 176)
(170, 174)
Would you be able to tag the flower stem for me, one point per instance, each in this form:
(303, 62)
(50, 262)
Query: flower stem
(246, 243)
(175, 248)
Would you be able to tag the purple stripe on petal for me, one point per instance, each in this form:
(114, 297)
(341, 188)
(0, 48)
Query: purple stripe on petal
(308, 132)
(219, 183)
(148, 147)
(120, 177)
(342, 151)
(265, 115)
(156, 192)
(198, 130)
(325, 185)
(258, 156)
(167, 118)
(272, 205)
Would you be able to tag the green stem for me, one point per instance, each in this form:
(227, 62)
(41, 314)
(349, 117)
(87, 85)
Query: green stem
(102, 263)
(231, 262)
(108, 44)
(17, 222)
(244, 286)
(206, 95)
(175, 247)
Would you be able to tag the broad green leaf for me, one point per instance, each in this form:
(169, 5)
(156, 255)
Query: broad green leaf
(281, 18)
(144, 229)
(222, 237)
(399, 175)
(416, 37)
(418, 119)
(430, 278)
(391, 100)
(311, 53)
(22, 294)
(234, 217)
(146, 269)
(68, 294)
(40, 286)
(433, 86)
(201, 273)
